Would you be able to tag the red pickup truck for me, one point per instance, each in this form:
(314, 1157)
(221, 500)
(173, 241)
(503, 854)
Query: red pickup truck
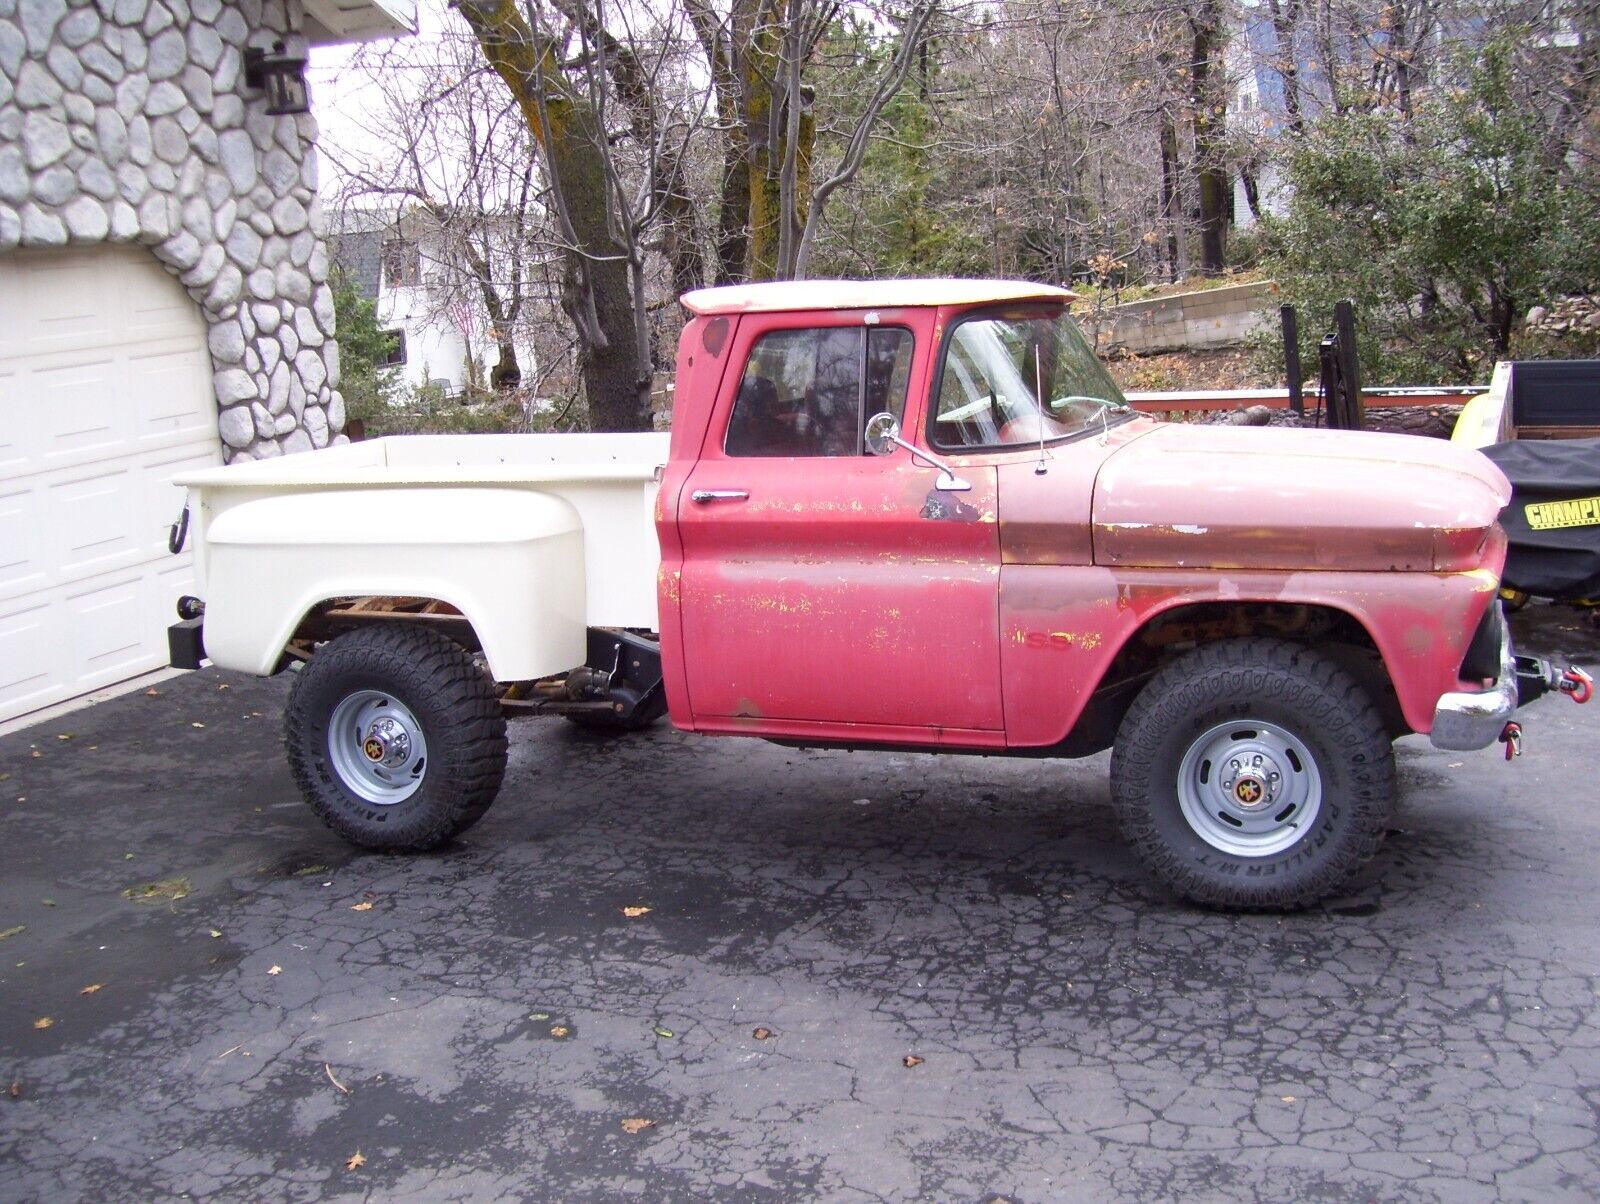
(909, 515)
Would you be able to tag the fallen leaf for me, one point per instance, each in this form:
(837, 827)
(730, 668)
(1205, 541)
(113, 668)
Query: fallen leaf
(127, 856)
(16, 1088)
(637, 1124)
(762, 1034)
(215, 933)
(559, 1031)
(11, 932)
(152, 693)
(224, 686)
(911, 1060)
(152, 892)
(36, 753)
(43, 1022)
(355, 1162)
(361, 907)
(633, 913)
(197, 724)
(663, 1032)
(307, 871)
(65, 735)
(275, 970)
(92, 988)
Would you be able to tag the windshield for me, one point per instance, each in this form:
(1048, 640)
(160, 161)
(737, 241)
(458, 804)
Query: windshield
(1017, 378)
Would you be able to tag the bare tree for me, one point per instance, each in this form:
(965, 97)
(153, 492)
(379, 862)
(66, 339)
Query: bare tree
(762, 60)
(445, 153)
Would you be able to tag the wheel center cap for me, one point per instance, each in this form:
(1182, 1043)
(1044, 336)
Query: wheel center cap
(386, 743)
(1249, 791)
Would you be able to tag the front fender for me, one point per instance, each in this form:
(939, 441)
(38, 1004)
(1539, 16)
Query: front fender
(510, 560)
(1063, 626)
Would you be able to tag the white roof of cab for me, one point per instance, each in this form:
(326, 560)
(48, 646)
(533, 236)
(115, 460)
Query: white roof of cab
(864, 294)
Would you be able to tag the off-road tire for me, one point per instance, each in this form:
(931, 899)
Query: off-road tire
(452, 701)
(1276, 683)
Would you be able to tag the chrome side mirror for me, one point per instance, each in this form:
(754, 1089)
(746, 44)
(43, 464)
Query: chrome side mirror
(883, 432)
(883, 436)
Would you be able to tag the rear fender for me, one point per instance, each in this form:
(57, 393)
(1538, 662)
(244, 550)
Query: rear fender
(510, 560)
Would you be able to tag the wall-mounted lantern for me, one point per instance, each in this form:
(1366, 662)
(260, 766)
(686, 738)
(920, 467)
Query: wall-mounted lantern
(281, 75)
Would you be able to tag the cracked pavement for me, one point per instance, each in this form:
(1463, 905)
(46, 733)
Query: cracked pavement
(494, 1017)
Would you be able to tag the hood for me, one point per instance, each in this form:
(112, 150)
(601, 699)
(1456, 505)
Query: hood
(1277, 498)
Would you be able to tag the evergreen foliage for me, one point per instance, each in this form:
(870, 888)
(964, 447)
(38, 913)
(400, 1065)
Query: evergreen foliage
(1444, 228)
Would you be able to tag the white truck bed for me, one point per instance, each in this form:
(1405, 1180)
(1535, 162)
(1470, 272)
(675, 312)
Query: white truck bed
(533, 537)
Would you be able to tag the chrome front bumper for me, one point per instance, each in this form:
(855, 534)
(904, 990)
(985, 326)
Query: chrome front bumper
(1465, 721)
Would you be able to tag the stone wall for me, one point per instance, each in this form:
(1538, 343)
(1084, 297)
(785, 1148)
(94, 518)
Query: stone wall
(1198, 321)
(128, 121)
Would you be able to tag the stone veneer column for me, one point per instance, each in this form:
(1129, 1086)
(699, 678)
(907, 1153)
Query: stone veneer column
(128, 121)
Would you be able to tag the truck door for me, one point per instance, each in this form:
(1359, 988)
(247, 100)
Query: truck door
(825, 591)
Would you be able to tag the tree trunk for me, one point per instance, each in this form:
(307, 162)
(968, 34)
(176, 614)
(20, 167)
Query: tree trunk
(771, 124)
(507, 372)
(1285, 16)
(1170, 208)
(1252, 190)
(1209, 105)
(596, 286)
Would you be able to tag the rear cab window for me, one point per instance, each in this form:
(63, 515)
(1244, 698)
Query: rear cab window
(809, 392)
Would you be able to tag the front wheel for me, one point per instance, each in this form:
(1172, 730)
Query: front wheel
(1253, 774)
(395, 738)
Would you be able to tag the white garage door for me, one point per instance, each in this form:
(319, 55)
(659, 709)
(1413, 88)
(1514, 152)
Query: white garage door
(105, 394)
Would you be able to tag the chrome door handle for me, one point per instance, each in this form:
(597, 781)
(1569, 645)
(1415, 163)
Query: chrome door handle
(719, 495)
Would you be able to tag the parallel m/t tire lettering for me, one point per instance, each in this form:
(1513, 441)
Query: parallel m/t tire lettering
(1253, 774)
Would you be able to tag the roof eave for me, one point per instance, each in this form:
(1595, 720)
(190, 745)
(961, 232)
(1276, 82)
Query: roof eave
(333, 22)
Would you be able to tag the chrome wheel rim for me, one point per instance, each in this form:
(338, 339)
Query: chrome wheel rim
(1249, 788)
(377, 748)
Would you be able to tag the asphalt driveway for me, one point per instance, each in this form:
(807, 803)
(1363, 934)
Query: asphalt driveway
(204, 993)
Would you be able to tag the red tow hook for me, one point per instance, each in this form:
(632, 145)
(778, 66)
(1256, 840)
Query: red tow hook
(1511, 737)
(1576, 684)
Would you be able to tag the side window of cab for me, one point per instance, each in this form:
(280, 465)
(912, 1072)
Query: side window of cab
(810, 392)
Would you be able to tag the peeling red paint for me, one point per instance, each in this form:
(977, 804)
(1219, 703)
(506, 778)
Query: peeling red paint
(832, 603)
(1233, 497)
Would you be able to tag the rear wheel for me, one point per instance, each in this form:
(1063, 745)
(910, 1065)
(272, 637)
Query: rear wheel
(395, 738)
(1253, 774)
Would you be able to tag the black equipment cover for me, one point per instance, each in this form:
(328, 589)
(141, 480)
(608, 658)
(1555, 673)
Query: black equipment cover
(1553, 521)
